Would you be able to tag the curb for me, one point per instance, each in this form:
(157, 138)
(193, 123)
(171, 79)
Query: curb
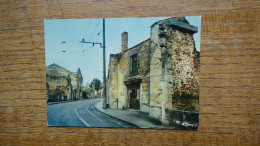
(115, 117)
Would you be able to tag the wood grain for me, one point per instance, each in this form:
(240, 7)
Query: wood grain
(229, 78)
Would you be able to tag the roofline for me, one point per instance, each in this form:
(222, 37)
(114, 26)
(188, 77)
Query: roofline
(60, 67)
(168, 19)
(138, 44)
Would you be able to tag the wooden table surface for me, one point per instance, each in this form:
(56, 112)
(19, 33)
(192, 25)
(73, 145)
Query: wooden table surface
(229, 78)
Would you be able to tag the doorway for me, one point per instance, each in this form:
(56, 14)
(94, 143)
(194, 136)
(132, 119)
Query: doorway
(134, 96)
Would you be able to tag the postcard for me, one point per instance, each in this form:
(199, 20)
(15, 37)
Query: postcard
(123, 72)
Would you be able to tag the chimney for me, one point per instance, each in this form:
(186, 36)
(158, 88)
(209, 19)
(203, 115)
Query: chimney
(124, 41)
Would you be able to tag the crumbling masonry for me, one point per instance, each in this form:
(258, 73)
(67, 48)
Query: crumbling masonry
(159, 76)
(62, 84)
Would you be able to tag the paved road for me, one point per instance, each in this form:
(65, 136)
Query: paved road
(82, 114)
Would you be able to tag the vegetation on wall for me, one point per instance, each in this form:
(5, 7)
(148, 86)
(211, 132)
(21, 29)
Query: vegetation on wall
(185, 101)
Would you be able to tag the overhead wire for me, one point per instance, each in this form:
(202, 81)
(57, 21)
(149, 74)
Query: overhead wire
(98, 34)
(89, 24)
(71, 42)
(94, 30)
(87, 49)
(91, 37)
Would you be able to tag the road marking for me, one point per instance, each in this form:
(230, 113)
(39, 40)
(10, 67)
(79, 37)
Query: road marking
(80, 118)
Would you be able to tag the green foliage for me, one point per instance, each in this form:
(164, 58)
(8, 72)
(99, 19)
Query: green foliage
(98, 84)
(185, 101)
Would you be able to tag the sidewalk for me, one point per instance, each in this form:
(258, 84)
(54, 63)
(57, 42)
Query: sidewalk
(135, 117)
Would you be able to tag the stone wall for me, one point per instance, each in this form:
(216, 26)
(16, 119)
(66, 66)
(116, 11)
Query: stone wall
(79, 84)
(168, 70)
(54, 83)
(112, 80)
(174, 68)
(119, 73)
(180, 45)
(62, 84)
(56, 70)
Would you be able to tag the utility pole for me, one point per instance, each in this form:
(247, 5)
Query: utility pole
(105, 100)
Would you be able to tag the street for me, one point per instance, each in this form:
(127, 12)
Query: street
(81, 114)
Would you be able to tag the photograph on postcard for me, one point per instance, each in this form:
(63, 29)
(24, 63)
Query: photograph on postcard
(123, 72)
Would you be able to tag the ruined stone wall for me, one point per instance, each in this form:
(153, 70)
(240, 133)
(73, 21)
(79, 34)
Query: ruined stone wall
(112, 81)
(143, 70)
(119, 72)
(174, 70)
(57, 77)
(168, 68)
(186, 69)
(79, 84)
(56, 82)
(60, 82)
(73, 81)
(56, 70)
(161, 80)
(69, 89)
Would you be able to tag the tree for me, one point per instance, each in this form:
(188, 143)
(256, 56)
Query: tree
(98, 84)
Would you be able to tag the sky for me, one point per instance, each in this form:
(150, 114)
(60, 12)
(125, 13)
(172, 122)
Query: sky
(63, 36)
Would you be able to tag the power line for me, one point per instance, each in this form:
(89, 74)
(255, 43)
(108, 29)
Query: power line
(90, 23)
(98, 34)
(95, 30)
(87, 49)
(72, 42)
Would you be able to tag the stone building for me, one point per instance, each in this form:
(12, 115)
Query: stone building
(79, 84)
(69, 88)
(95, 93)
(62, 84)
(159, 76)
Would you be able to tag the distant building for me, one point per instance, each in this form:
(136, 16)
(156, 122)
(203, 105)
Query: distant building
(95, 93)
(158, 76)
(79, 84)
(62, 84)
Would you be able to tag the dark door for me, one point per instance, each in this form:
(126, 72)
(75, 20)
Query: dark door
(134, 102)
